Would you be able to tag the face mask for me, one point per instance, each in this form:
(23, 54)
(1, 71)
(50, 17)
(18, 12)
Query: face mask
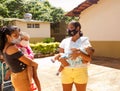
(24, 43)
(16, 41)
(72, 32)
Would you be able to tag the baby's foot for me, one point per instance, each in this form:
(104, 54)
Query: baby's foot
(32, 87)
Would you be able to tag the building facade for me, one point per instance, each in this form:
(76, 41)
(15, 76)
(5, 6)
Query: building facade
(36, 29)
(101, 23)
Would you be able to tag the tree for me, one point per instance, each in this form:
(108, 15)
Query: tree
(15, 8)
(3, 11)
(40, 10)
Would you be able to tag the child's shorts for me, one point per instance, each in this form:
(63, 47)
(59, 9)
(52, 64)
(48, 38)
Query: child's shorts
(74, 75)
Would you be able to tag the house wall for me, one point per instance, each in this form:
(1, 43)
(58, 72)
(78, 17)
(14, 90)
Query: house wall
(101, 23)
(36, 34)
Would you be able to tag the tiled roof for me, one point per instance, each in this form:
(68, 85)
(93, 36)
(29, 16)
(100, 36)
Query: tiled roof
(76, 11)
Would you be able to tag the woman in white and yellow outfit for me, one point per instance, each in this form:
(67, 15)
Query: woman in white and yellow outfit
(76, 72)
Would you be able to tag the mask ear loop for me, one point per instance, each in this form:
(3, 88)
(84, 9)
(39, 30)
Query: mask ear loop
(80, 33)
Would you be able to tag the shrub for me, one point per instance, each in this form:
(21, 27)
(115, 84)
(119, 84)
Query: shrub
(48, 40)
(45, 48)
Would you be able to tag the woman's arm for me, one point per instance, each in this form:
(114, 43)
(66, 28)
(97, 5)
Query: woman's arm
(61, 50)
(28, 61)
(14, 49)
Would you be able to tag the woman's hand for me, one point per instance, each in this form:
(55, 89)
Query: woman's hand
(75, 53)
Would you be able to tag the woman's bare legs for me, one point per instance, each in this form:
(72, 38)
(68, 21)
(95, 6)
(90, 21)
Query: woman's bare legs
(80, 87)
(67, 87)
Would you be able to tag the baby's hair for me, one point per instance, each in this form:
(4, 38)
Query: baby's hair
(24, 34)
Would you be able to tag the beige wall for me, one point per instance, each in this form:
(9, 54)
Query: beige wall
(36, 40)
(101, 23)
(107, 48)
(42, 32)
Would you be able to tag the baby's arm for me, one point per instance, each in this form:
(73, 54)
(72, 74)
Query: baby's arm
(60, 55)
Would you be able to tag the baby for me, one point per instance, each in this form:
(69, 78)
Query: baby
(84, 54)
(26, 49)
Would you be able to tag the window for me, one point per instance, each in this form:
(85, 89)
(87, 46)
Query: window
(37, 26)
(28, 25)
(33, 25)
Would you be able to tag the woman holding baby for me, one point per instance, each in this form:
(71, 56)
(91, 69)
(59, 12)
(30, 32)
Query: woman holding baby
(75, 45)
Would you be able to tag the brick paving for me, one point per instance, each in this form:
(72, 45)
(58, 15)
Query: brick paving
(101, 78)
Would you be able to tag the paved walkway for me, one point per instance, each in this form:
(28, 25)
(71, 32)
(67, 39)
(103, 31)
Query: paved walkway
(101, 78)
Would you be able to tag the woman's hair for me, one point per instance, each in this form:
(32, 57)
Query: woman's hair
(6, 30)
(75, 24)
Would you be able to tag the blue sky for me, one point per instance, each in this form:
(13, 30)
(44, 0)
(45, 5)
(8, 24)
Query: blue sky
(66, 5)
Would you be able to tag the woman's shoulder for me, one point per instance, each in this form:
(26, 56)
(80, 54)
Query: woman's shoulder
(12, 49)
(84, 38)
(66, 39)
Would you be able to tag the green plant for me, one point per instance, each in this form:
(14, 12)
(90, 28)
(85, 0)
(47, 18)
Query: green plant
(48, 40)
(45, 48)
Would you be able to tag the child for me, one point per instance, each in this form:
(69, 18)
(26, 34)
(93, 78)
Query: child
(25, 48)
(85, 55)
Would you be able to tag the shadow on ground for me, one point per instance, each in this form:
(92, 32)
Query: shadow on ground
(106, 61)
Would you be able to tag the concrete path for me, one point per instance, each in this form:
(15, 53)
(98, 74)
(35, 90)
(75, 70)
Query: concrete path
(101, 78)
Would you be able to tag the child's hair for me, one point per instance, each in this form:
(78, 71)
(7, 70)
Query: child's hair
(6, 30)
(24, 35)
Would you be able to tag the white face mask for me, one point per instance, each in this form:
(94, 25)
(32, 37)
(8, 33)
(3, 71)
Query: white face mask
(16, 41)
(24, 43)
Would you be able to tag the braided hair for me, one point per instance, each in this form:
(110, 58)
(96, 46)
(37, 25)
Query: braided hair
(6, 30)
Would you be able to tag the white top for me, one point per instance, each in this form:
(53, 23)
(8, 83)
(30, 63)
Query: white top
(81, 43)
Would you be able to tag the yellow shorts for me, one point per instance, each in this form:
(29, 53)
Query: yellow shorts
(74, 75)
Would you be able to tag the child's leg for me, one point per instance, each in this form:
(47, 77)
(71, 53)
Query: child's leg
(36, 79)
(63, 62)
(59, 70)
(30, 73)
(30, 76)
